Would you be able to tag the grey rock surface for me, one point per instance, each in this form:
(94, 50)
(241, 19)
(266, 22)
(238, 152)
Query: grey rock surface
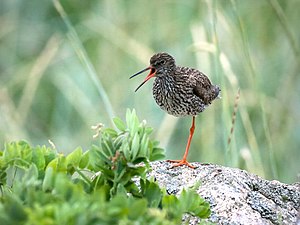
(235, 196)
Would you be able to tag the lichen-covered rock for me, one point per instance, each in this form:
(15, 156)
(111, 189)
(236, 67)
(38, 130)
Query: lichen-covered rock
(235, 196)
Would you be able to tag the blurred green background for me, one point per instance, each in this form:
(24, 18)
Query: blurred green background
(64, 66)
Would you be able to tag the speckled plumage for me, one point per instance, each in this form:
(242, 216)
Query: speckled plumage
(181, 91)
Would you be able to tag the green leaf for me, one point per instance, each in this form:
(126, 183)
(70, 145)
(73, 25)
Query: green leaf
(25, 152)
(126, 150)
(153, 193)
(30, 174)
(74, 157)
(169, 201)
(148, 130)
(58, 164)
(118, 206)
(119, 124)
(110, 132)
(38, 158)
(14, 209)
(132, 122)
(97, 158)
(203, 211)
(84, 161)
(118, 141)
(157, 154)
(137, 208)
(18, 153)
(144, 149)
(53, 164)
(48, 179)
(49, 154)
(129, 116)
(193, 203)
(135, 146)
(106, 148)
(172, 205)
(63, 187)
(139, 160)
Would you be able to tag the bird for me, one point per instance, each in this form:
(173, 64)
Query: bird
(180, 91)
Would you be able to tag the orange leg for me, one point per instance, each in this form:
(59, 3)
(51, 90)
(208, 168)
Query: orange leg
(183, 161)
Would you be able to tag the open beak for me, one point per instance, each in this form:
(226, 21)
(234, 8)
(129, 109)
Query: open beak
(150, 75)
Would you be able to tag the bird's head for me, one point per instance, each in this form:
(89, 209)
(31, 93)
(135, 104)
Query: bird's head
(161, 64)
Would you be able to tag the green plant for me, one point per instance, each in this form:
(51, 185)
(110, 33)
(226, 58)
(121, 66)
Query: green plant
(105, 185)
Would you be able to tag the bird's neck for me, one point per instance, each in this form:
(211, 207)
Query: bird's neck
(164, 83)
(165, 78)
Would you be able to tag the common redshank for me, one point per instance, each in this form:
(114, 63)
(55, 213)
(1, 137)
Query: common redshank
(180, 91)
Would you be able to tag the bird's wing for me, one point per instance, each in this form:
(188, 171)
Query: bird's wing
(201, 86)
(199, 83)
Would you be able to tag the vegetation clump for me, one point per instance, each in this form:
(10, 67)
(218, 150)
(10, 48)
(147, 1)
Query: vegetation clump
(41, 186)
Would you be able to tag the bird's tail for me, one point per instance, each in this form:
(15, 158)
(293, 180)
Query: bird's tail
(217, 91)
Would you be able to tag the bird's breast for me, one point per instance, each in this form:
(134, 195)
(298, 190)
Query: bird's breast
(175, 96)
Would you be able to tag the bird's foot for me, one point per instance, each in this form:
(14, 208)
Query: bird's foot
(181, 163)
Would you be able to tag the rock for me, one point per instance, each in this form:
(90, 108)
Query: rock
(235, 196)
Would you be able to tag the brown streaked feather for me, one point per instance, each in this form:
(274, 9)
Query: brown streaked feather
(180, 91)
(204, 89)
